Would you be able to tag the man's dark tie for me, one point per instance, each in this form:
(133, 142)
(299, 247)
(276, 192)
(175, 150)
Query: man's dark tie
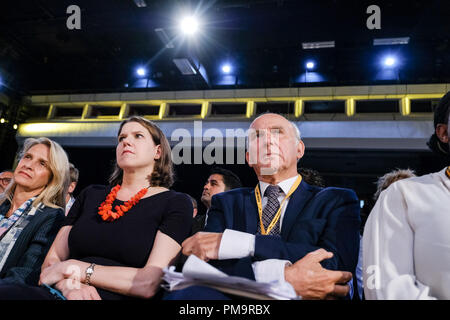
(271, 208)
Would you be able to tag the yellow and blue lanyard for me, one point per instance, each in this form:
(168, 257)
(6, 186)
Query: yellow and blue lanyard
(278, 213)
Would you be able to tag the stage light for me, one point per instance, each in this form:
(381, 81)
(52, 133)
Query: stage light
(389, 66)
(140, 3)
(185, 66)
(141, 72)
(2, 120)
(318, 45)
(389, 61)
(15, 126)
(310, 65)
(189, 25)
(226, 68)
(390, 41)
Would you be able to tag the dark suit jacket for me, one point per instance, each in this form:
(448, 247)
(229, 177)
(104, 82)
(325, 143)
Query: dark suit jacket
(314, 218)
(198, 223)
(23, 265)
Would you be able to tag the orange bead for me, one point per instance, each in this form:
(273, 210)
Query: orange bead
(105, 209)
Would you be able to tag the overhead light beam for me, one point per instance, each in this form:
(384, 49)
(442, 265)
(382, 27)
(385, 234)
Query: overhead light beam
(164, 38)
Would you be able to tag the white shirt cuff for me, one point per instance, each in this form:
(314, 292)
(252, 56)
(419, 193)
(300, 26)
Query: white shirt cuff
(236, 244)
(270, 270)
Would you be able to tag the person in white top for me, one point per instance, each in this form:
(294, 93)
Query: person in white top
(406, 240)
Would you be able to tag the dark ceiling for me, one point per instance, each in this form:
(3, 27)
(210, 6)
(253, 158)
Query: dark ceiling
(262, 39)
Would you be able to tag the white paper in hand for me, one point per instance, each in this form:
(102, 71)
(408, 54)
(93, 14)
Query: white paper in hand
(199, 272)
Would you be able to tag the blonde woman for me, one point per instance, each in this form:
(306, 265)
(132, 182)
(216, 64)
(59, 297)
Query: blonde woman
(31, 210)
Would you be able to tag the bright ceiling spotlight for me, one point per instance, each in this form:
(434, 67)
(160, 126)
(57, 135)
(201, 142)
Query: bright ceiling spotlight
(15, 126)
(310, 65)
(389, 61)
(226, 68)
(141, 72)
(189, 25)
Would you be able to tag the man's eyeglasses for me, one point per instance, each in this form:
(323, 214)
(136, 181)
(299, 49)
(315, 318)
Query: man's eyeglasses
(5, 180)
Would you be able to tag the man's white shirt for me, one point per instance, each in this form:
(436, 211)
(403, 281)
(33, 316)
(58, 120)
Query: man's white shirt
(237, 244)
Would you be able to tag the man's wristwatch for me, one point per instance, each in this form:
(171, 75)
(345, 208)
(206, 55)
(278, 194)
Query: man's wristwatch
(89, 272)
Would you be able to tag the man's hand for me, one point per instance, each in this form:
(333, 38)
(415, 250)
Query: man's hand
(204, 245)
(311, 281)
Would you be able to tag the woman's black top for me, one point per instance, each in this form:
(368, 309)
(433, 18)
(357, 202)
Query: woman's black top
(128, 240)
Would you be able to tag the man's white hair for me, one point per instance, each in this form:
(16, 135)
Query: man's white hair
(297, 131)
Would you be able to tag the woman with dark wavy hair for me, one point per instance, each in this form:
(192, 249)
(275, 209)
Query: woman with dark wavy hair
(162, 174)
(116, 239)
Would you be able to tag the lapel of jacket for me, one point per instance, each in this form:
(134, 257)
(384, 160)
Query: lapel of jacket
(29, 225)
(251, 212)
(295, 206)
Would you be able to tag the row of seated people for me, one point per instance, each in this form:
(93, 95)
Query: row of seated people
(116, 239)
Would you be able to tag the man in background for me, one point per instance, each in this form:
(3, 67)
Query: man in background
(5, 179)
(74, 174)
(219, 180)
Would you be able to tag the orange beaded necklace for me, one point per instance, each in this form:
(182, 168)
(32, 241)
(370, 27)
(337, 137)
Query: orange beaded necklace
(105, 209)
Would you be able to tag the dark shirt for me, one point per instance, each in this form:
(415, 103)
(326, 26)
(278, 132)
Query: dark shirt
(128, 240)
(198, 223)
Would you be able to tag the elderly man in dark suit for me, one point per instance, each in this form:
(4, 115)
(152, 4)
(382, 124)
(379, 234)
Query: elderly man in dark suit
(258, 232)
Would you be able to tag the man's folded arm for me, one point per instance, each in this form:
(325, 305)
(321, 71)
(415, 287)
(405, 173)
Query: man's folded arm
(340, 236)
